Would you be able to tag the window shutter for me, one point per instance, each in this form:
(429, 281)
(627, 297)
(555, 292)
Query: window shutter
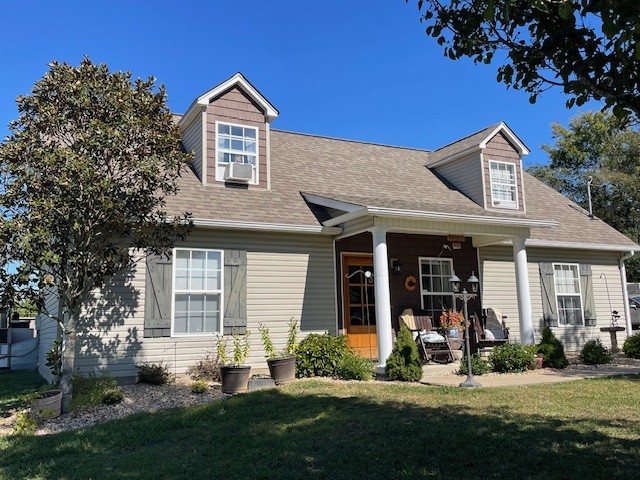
(549, 306)
(158, 292)
(235, 292)
(589, 305)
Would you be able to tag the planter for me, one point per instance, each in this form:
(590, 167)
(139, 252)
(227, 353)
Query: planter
(49, 404)
(452, 333)
(282, 370)
(235, 379)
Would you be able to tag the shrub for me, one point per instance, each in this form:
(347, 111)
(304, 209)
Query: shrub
(199, 386)
(511, 357)
(631, 347)
(551, 350)
(320, 355)
(479, 366)
(594, 353)
(25, 424)
(89, 391)
(113, 397)
(154, 373)
(355, 367)
(206, 369)
(404, 363)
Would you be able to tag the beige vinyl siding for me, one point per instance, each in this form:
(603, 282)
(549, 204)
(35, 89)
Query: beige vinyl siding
(466, 175)
(47, 332)
(287, 276)
(192, 141)
(499, 290)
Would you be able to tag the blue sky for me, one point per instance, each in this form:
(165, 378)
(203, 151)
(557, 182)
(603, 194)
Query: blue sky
(350, 69)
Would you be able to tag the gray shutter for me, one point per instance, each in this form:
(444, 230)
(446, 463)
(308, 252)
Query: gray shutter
(549, 306)
(235, 292)
(158, 292)
(586, 284)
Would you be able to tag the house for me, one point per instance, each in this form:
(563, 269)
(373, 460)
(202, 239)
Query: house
(287, 224)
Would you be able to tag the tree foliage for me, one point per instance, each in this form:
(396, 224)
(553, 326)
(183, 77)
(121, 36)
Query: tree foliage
(599, 146)
(84, 177)
(590, 48)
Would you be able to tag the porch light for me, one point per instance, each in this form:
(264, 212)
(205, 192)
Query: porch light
(396, 266)
(454, 281)
(473, 282)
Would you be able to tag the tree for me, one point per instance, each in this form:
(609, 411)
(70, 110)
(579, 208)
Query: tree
(590, 48)
(84, 178)
(599, 146)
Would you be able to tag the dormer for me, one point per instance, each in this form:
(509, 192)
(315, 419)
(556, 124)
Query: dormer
(487, 167)
(227, 128)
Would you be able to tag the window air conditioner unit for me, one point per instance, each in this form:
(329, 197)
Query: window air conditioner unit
(238, 172)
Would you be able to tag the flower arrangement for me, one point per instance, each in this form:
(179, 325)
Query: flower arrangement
(451, 319)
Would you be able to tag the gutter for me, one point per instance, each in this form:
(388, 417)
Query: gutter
(266, 227)
(605, 247)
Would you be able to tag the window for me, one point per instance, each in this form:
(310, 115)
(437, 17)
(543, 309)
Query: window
(236, 143)
(435, 289)
(197, 291)
(503, 184)
(568, 295)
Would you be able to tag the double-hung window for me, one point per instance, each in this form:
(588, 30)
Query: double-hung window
(197, 291)
(236, 144)
(568, 295)
(435, 289)
(503, 184)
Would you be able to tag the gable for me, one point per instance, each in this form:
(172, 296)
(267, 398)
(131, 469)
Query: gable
(500, 149)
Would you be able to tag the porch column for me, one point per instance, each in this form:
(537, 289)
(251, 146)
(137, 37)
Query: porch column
(383, 298)
(625, 296)
(523, 291)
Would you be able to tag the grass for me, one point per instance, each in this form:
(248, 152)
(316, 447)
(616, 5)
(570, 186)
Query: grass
(334, 430)
(16, 388)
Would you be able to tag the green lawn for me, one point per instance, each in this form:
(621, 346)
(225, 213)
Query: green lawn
(16, 387)
(330, 430)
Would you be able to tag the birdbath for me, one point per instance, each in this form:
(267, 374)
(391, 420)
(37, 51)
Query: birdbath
(613, 331)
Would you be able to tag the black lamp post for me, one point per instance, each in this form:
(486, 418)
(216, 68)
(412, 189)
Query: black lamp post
(465, 297)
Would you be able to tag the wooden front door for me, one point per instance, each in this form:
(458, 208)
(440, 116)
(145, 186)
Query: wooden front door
(358, 300)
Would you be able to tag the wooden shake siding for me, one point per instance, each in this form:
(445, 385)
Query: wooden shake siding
(499, 290)
(501, 150)
(466, 174)
(237, 108)
(287, 276)
(192, 141)
(47, 333)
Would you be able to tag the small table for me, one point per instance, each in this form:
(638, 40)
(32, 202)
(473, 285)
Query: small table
(613, 331)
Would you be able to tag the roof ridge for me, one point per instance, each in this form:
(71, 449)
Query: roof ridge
(493, 126)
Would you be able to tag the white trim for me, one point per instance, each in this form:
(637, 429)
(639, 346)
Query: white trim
(579, 294)
(267, 145)
(422, 294)
(204, 162)
(335, 282)
(524, 200)
(331, 203)
(625, 296)
(266, 227)
(342, 279)
(498, 203)
(173, 293)
(361, 212)
(237, 80)
(582, 246)
(484, 181)
(454, 156)
(523, 150)
(257, 153)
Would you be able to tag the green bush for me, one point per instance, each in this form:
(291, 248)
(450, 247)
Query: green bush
(89, 391)
(551, 350)
(511, 357)
(594, 353)
(206, 369)
(199, 386)
(631, 347)
(113, 397)
(355, 367)
(25, 424)
(154, 373)
(479, 366)
(320, 355)
(404, 363)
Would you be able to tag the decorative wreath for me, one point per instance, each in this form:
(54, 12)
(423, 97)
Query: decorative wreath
(410, 283)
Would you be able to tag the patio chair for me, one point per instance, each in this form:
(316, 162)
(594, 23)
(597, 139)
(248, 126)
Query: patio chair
(430, 346)
(490, 329)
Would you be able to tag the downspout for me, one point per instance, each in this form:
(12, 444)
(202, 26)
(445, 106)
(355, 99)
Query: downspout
(625, 293)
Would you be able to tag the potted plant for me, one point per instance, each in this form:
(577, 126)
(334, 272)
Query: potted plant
(282, 365)
(48, 403)
(233, 372)
(451, 322)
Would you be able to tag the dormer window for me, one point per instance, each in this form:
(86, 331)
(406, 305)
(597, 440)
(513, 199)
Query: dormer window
(236, 153)
(503, 184)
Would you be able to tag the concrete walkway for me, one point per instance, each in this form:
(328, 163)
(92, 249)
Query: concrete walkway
(443, 375)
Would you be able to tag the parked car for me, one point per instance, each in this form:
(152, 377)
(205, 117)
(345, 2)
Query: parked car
(634, 308)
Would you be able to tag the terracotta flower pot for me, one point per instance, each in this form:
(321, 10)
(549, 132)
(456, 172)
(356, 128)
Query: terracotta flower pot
(282, 370)
(235, 379)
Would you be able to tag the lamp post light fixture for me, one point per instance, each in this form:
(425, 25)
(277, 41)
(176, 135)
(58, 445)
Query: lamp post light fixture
(465, 297)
